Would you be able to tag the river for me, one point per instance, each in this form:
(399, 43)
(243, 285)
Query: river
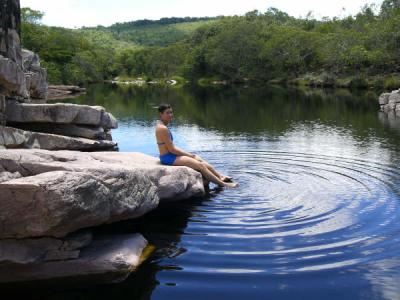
(317, 213)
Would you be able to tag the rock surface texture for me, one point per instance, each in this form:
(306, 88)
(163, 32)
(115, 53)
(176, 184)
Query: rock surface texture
(45, 193)
(35, 76)
(12, 77)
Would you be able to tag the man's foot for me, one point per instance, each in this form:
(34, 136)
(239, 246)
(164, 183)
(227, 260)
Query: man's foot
(231, 185)
(226, 178)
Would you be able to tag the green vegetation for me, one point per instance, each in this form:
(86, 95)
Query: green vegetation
(94, 54)
(156, 33)
(357, 51)
(70, 56)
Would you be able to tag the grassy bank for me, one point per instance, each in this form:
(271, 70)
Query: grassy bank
(387, 82)
(174, 81)
(383, 82)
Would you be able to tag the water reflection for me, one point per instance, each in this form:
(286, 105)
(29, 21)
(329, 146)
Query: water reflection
(247, 111)
(391, 120)
(317, 214)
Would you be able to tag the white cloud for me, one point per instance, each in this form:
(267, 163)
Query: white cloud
(77, 13)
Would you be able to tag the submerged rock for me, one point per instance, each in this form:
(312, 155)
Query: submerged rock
(105, 259)
(27, 251)
(55, 193)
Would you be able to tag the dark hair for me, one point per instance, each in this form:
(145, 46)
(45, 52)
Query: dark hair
(163, 107)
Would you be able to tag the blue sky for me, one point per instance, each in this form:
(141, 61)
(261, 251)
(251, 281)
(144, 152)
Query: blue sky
(78, 13)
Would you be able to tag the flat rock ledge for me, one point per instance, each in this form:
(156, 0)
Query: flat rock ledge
(61, 113)
(53, 193)
(60, 126)
(11, 138)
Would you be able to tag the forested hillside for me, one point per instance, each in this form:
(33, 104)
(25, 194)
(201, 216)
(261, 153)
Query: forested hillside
(356, 51)
(156, 33)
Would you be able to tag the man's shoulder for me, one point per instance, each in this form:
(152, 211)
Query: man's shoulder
(161, 127)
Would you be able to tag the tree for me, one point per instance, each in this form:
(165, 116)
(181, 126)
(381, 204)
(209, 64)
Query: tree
(389, 6)
(31, 16)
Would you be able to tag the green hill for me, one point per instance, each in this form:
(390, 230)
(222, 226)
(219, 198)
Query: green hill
(161, 32)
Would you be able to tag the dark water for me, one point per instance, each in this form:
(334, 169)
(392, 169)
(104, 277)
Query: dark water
(317, 214)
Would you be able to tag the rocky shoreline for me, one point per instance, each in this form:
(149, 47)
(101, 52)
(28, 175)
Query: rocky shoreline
(48, 197)
(51, 201)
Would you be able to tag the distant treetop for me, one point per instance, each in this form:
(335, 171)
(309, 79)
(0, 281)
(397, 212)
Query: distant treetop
(162, 21)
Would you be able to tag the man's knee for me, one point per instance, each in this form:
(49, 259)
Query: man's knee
(198, 158)
(201, 166)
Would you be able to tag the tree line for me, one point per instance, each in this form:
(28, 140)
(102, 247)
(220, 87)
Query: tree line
(358, 50)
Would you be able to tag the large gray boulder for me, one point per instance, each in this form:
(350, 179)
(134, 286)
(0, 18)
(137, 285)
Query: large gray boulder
(389, 102)
(54, 193)
(105, 259)
(35, 75)
(59, 202)
(11, 138)
(64, 113)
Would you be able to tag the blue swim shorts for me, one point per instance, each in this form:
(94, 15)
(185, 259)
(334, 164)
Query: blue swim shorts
(167, 158)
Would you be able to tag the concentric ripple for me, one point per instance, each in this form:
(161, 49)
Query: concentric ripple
(297, 212)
